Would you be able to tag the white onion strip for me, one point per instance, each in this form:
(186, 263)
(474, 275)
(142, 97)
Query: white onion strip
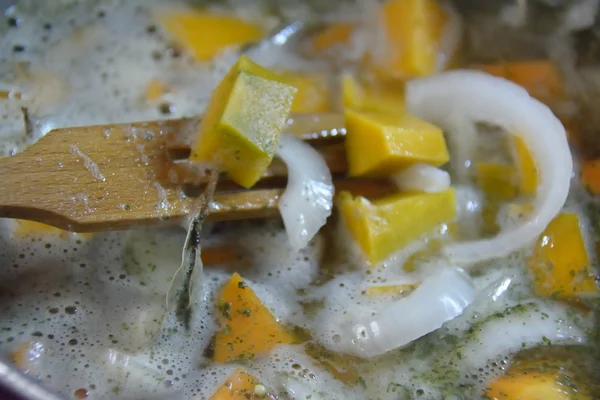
(307, 200)
(422, 178)
(440, 298)
(478, 97)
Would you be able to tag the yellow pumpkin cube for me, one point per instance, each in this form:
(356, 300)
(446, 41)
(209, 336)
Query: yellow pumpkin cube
(560, 265)
(537, 379)
(497, 181)
(314, 94)
(379, 145)
(528, 174)
(24, 229)
(413, 29)
(378, 290)
(242, 124)
(337, 34)
(240, 385)
(205, 34)
(247, 327)
(376, 98)
(387, 224)
(528, 386)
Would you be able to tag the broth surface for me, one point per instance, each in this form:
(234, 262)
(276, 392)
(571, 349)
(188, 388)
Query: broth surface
(89, 308)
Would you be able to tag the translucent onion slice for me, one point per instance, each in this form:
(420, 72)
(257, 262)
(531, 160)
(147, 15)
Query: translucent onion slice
(458, 99)
(438, 299)
(423, 178)
(307, 200)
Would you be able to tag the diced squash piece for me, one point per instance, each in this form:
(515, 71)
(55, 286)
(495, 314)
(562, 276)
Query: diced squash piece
(536, 380)
(530, 386)
(240, 385)
(334, 35)
(205, 34)
(540, 77)
(380, 144)
(378, 290)
(313, 94)
(413, 29)
(497, 181)
(560, 265)
(243, 122)
(528, 174)
(247, 327)
(377, 98)
(387, 224)
(590, 176)
(155, 91)
(27, 355)
(24, 229)
(221, 254)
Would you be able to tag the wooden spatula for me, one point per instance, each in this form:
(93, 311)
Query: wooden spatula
(114, 177)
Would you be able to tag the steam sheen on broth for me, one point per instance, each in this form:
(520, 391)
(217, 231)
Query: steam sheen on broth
(84, 313)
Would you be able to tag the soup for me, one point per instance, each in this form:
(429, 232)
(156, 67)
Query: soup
(475, 278)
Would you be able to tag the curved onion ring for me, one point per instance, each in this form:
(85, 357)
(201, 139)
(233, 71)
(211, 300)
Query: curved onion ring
(440, 298)
(307, 200)
(472, 96)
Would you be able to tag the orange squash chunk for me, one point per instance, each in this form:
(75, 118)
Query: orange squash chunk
(332, 36)
(205, 34)
(535, 380)
(590, 176)
(413, 29)
(240, 385)
(540, 77)
(560, 264)
(247, 326)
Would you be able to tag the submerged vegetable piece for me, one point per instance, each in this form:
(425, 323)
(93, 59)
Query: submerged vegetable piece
(155, 90)
(378, 98)
(247, 327)
(497, 181)
(590, 176)
(334, 35)
(413, 29)
(540, 77)
(27, 355)
(205, 34)
(534, 381)
(387, 224)
(240, 385)
(25, 229)
(380, 144)
(560, 265)
(241, 126)
(390, 289)
(313, 94)
(528, 173)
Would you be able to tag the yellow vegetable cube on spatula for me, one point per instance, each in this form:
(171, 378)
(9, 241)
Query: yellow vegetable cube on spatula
(242, 124)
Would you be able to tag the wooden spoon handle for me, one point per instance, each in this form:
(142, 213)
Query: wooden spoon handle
(114, 176)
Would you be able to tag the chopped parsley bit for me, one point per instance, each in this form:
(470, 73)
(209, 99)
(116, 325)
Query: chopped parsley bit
(242, 285)
(362, 382)
(225, 310)
(547, 341)
(246, 312)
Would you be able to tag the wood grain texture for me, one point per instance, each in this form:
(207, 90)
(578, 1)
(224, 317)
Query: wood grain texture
(117, 176)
